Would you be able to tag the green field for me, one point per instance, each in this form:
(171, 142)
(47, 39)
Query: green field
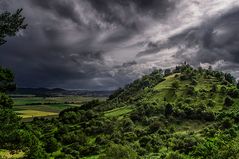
(30, 106)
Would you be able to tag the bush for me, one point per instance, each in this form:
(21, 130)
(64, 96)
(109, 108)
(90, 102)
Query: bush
(211, 103)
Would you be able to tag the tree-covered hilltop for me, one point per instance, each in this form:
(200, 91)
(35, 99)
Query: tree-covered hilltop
(183, 113)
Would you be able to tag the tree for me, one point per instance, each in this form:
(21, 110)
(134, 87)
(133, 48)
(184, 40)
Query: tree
(194, 82)
(168, 109)
(11, 134)
(51, 145)
(127, 125)
(226, 123)
(230, 78)
(228, 102)
(36, 151)
(154, 126)
(6, 80)
(234, 93)
(10, 24)
(214, 88)
(167, 72)
(115, 151)
(5, 101)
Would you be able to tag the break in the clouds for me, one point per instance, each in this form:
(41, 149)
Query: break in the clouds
(104, 44)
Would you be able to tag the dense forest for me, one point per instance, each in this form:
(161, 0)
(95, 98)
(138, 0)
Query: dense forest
(185, 112)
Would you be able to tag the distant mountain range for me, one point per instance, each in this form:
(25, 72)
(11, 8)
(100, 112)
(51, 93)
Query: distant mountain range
(60, 92)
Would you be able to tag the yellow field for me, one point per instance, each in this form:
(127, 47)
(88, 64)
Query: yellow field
(34, 113)
(7, 154)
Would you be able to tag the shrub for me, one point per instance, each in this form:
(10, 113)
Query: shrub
(174, 155)
(226, 123)
(194, 82)
(175, 85)
(190, 90)
(234, 93)
(211, 103)
(228, 102)
(229, 78)
(210, 131)
(223, 89)
(214, 88)
(130, 136)
(72, 137)
(144, 141)
(100, 140)
(127, 125)
(184, 143)
(51, 145)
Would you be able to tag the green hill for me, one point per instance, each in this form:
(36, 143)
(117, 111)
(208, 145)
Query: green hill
(183, 113)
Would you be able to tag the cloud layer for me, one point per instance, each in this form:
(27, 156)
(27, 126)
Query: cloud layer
(104, 44)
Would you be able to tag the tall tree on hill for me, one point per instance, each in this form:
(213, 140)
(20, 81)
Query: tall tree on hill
(12, 136)
(10, 24)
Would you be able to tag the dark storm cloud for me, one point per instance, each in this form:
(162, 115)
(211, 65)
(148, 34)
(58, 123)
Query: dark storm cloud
(215, 39)
(157, 8)
(120, 12)
(60, 46)
(98, 44)
(62, 8)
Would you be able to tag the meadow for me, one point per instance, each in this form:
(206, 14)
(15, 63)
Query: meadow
(31, 106)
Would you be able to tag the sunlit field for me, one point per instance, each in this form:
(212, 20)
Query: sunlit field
(30, 106)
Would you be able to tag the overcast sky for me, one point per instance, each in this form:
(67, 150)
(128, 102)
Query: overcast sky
(104, 44)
